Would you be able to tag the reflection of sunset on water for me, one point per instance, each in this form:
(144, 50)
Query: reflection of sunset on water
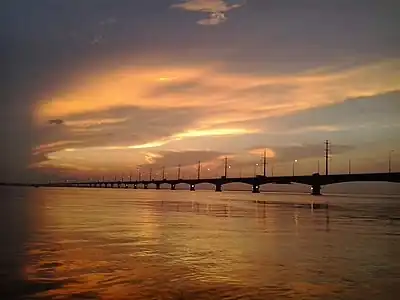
(125, 244)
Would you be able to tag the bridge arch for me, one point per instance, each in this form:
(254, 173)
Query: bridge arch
(363, 187)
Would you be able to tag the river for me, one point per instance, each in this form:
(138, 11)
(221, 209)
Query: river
(147, 244)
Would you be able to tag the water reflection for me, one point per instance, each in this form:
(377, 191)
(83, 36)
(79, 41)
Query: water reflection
(122, 244)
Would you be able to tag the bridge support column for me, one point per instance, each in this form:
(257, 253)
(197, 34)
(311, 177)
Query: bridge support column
(192, 187)
(173, 187)
(256, 188)
(145, 186)
(157, 186)
(316, 190)
(218, 188)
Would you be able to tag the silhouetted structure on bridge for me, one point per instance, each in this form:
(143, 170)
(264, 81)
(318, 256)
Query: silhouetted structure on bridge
(316, 181)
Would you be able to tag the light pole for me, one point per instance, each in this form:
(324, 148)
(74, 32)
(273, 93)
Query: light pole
(198, 170)
(349, 166)
(226, 166)
(179, 172)
(265, 163)
(390, 161)
(255, 170)
(294, 162)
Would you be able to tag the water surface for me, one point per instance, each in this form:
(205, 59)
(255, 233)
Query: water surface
(137, 244)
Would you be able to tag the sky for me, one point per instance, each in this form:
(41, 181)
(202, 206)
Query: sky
(106, 87)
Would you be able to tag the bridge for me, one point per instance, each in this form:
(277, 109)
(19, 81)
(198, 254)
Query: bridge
(315, 181)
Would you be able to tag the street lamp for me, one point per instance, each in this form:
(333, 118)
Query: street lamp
(349, 166)
(294, 162)
(255, 170)
(390, 160)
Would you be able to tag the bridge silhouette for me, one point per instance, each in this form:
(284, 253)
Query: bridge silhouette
(315, 181)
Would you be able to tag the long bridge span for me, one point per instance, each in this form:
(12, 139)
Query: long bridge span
(315, 181)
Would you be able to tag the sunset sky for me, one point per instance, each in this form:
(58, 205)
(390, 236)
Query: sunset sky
(99, 87)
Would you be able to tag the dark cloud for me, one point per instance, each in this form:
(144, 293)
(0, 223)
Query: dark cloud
(178, 88)
(56, 121)
(139, 126)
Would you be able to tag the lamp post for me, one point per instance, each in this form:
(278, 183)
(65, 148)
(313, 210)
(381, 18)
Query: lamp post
(349, 166)
(198, 170)
(255, 170)
(390, 161)
(226, 166)
(294, 162)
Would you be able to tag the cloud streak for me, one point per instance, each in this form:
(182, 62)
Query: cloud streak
(216, 9)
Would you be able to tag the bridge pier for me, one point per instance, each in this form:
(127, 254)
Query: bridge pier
(256, 189)
(316, 190)
(145, 186)
(157, 186)
(218, 188)
(173, 187)
(192, 187)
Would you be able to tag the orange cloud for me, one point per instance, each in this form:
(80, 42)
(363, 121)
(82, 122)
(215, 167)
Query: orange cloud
(240, 95)
(224, 98)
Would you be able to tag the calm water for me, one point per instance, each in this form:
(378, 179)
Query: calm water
(126, 244)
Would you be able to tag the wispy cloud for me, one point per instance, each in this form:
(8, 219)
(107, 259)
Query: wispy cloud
(216, 9)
